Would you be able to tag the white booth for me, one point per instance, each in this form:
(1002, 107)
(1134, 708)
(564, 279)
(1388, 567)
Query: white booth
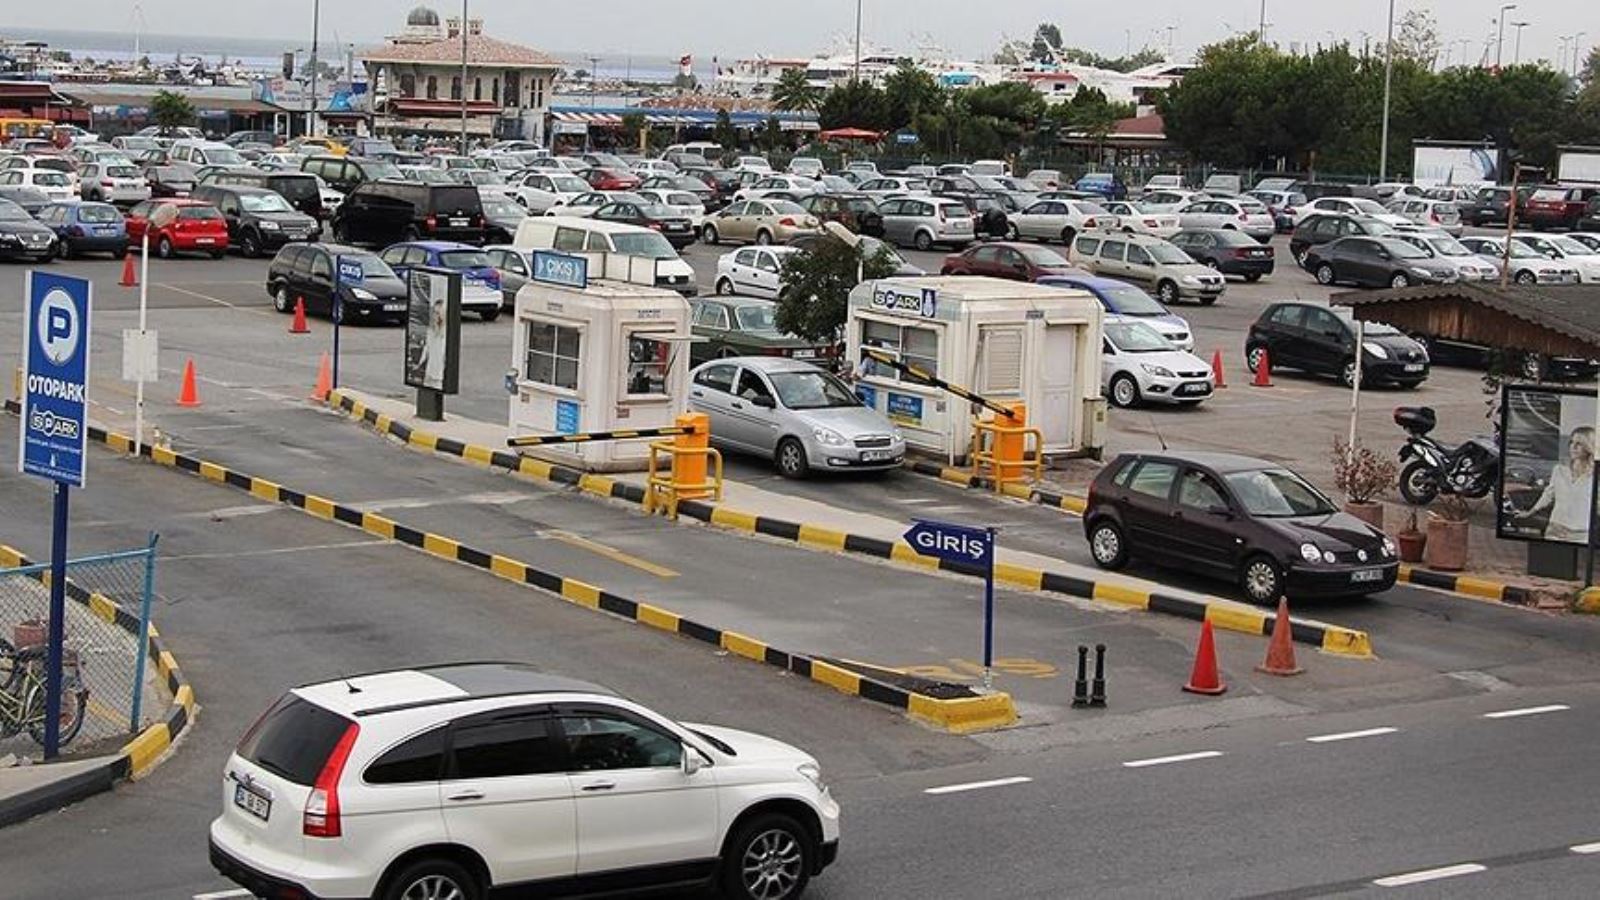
(1003, 340)
(597, 347)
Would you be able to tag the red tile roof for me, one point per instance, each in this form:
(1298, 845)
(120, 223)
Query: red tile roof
(1148, 125)
(482, 50)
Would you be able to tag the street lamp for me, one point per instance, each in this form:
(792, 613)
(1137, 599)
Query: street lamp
(1388, 80)
(858, 40)
(463, 77)
(1500, 39)
(1516, 56)
(1577, 41)
(1261, 28)
(311, 115)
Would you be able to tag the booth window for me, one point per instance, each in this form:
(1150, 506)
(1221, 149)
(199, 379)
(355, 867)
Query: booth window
(553, 355)
(569, 239)
(911, 345)
(649, 360)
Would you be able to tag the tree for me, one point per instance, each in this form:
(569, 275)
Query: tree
(685, 82)
(910, 92)
(855, 104)
(794, 92)
(1590, 73)
(1046, 43)
(772, 135)
(723, 132)
(817, 285)
(580, 75)
(1139, 60)
(169, 110)
(633, 127)
(1419, 38)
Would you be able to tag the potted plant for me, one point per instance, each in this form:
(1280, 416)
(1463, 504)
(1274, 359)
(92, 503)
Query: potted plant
(1447, 535)
(1362, 475)
(1411, 539)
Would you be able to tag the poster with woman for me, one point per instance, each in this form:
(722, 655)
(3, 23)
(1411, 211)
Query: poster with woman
(1547, 474)
(433, 330)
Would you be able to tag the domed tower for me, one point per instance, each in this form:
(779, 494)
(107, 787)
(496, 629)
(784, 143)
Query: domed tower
(422, 25)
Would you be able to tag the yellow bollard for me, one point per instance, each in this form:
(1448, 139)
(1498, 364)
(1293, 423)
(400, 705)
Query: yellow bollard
(689, 469)
(1010, 443)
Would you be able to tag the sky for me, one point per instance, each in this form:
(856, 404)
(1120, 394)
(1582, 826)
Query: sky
(729, 28)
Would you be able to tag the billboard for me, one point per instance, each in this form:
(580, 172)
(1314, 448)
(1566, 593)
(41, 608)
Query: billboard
(1454, 165)
(1579, 165)
(1547, 449)
(433, 329)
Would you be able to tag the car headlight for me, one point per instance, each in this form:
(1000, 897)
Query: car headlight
(9, 239)
(1388, 547)
(1310, 553)
(362, 294)
(813, 774)
(828, 436)
(1190, 279)
(1158, 371)
(1421, 272)
(1375, 349)
(897, 435)
(269, 226)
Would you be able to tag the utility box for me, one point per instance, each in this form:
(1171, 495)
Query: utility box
(596, 347)
(1002, 340)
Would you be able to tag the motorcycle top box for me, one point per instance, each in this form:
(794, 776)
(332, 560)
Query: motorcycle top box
(1416, 419)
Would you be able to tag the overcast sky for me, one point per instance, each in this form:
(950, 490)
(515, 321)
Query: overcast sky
(731, 28)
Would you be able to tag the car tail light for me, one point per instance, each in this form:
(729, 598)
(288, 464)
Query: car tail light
(787, 222)
(106, 182)
(321, 817)
(656, 226)
(777, 351)
(1433, 217)
(1088, 223)
(431, 222)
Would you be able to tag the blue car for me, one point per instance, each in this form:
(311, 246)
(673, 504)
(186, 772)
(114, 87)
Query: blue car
(85, 227)
(1103, 184)
(480, 281)
(1123, 299)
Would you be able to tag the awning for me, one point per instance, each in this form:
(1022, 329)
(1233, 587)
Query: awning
(1561, 321)
(850, 134)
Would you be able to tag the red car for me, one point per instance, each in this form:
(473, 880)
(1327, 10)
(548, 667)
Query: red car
(611, 179)
(1556, 206)
(179, 226)
(1018, 262)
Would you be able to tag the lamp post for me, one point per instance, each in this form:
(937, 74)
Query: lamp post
(1516, 54)
(1388, 80)
(1577, 41)
(463, 77)
(311, 115)
(1261, 25)
(1500, 39)
(858, 40)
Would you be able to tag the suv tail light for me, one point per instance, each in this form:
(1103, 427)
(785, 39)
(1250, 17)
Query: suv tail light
(106, 182)
(1088, 223)
(432, 222)
(321, 817)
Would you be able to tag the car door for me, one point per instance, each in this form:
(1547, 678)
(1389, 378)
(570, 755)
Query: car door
(752, 413)
(1112, 258)
(507, 794)
(1283, 332)
(1203, 530)
(1138, 264)
(319, 285)
(1147, 507)
(712, 394)
(228, 203)
(742, 270)
(1327, 342)
(986, 261)
(768, 276)
(1361, 261)
(892, 226)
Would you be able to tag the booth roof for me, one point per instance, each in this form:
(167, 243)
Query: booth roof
(1562, 321)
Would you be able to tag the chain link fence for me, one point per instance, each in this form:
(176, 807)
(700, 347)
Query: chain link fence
(105, 679)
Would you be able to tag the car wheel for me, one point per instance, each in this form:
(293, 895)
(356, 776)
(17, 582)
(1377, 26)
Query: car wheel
(1262, 580)
(770, 858)
(763, 237)
(1325, 274)
(250, 245)
(1167, 292)
(1253, 356)
(1300, 256)
(710, 235)
(1067, 236)
(1526, 277)
(1419, 483)
(1011, 231)
(1252, 277)
(281, 301)
(1106, 545)
(1399, 280)
(489, 315)
(923, 241)
(340, 235)
(1124, 391)
(164, 247)
(791, 459)
(433, 879)
(1347, 373)
(724, 287)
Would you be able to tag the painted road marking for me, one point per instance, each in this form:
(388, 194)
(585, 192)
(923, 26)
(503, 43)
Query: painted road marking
(276, 551)
(210, 299)
(222, 895)
(1585, 849)
(978, 785)
(1350, 735)
(611, 553)
(1429, 875)
(1164, 760)
(1526, 711)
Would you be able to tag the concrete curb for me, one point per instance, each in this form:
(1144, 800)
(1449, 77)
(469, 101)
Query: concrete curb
(1069, 503)
(962, 715)
(1221, 614)
(1468, 585)
(137, 757)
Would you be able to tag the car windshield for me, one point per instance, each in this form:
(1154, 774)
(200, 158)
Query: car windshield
(649, 246)
(1136, 337)
(463, 259)
(1277, 493)
(503, 209)
(785, 208)
(1167, 254)
(757, 318)
(622, 197)
(378, 170)
(1571, 247)
(371, 265)
(10, 210)
(98, 214)
(269, 203)
(1042, 256)
(484, 176)
(1131, 301)
(199, 213)
(812, 390)
(569, 184)
(1449, 246)
(52, 179)
(1592, 241)
(218, 156)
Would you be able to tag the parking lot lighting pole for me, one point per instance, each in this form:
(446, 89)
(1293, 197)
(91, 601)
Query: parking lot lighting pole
(1500, 39)
(1388, 79)
(858, 40)
(1516, 53)
(1577, 41)
(311, 117)
(463, 77)
(1261, 28)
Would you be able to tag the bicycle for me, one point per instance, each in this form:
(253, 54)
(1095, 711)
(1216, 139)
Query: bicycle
(22, 694)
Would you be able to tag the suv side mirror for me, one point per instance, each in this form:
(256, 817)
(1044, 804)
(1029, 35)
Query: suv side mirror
(1217, 509)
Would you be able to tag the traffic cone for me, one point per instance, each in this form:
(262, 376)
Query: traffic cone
(1205, 679)
(1216, 370)
(1263, 371)
(130, 277)
(298, 326)
(324, 380)
(190, 394)
(1280, 650)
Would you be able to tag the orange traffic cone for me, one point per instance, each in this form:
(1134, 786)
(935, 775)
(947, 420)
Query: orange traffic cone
(1280, 650)
(324, 380)
(1216, 370)
(1205, 679)
(130, 277)
(190, 394)
(1263, 371)
(298, 326)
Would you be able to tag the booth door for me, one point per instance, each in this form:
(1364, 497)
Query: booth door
(1058, 387)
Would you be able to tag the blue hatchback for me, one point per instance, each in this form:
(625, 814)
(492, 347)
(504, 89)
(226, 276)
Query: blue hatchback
(86, 227)
(480, 280)
(1123, 299)
(1105, 184)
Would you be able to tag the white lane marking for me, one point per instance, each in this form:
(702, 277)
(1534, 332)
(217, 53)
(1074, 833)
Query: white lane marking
(1430, 875)
(1585, 849)
(210, 299)
(275, 551)
(978, 785)
(1526, 711)
(221, 895)
(1350, 735)
(1164, 760)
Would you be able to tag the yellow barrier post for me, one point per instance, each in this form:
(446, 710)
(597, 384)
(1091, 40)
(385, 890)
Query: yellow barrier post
(1010, 443)
(1001, 452)
(689, 468)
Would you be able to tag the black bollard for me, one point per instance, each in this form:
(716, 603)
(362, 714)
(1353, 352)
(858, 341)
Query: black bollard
(1097, 697)
(1080, 688)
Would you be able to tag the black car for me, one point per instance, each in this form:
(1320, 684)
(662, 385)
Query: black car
(346, 173)
(1491, 205)
(259, 220)
(724, 182)
(22, 236)
(1228, 251)
(299, 188)
(380, 213)
(1320, 228)
(305, 272)
(1322, 341)
(677, 229)
(169, 181)
(1238, 518)
(1376, 262)
(29, 198)
(503, 218)
(1590, 220)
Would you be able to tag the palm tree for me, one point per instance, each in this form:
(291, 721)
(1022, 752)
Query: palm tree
(793, 93)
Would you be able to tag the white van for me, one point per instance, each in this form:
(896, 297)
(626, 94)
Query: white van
(989, 167)
(570, 234)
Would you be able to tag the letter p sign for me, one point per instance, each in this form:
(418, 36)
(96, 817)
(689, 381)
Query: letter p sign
(58, 327)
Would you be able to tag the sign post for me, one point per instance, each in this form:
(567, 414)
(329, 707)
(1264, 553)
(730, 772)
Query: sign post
(351, 276)
(54, 438)
(974, 547)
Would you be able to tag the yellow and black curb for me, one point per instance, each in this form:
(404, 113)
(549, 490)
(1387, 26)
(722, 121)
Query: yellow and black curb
(138, 756)
(1221, 614)
(1070, 503)
(964, 714)
(1470, 585)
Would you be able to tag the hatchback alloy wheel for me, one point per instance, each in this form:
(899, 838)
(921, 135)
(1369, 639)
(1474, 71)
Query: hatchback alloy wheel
(433, 887)
(1325, 274)
(1252, 357)
(1106, 546)
(1399, 280)
(1347, 375)
(1124, 391)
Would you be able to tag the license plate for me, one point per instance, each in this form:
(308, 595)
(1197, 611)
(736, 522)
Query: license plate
(805, 354)
(251, 802)
(205, 240)
(1413, 367)
(1367, 575)
(106, 229)
(1190, 389)
(394, 307)
(458, 223)
(876, 455)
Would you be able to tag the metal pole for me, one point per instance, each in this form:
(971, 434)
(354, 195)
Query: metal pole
(1261, 29)
(1388, 80)
(1355, 391)
(1511, 224)
(988, 616)
(1594, 505)
(144, 634)
(858, 40)
(316, 18)
(138, 387)
(463, 128)
(338, 318)
(1516, 54)
(57, 626)
(1500, 38)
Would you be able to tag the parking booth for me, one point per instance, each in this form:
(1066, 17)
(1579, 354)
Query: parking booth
(1007, 341)
(597, 347)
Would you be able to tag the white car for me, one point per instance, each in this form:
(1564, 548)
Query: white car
(28, 163)
(1136, 221)
(117, 181)
(1167, 201)
(751, 164)
(452, 161)
(1163, 183)
(883, 188)
(1575, 253)
(541, 190)
(489, 183)
(1447, 249)
(1350, 206)
(586, 204)
(1044, 179)
(1528, 266)
(1139, 366)
(381, 785)
(989, 167)
(55, 185)
(1440, 215)
(645, 168)
(788, 184)
(1244, 214)
(753, 271)
(1061, 220)
(807, 167)
(1587, 238)
(682, 203)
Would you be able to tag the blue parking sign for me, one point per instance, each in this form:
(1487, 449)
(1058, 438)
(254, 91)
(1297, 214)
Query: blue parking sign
(55, 378)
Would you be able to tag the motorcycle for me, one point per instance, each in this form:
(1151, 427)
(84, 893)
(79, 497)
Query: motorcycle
(1430, 468)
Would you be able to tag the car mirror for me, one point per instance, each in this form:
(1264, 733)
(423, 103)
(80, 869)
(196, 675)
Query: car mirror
(1552, 255)
(692, 760)
(1383, 254)
(1217, 509)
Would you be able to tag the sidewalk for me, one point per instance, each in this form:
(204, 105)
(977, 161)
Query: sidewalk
(30, 790)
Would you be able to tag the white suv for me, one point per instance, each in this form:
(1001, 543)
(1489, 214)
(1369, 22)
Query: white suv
(456, 780)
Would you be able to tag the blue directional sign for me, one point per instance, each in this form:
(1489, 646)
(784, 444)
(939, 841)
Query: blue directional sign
(957, 543)
(55, 378)
(350, 272)
(562, 269)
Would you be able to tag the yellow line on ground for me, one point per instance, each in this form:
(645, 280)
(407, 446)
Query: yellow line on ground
(105, 713)
(611, 553)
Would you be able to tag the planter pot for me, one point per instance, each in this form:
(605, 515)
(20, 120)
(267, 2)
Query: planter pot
(30, 633)
(1411, 545)
(1447, 545)
(1367, 511)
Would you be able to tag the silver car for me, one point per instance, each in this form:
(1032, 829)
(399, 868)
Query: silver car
(796, 414)
(1445, 248)
(922, 222)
